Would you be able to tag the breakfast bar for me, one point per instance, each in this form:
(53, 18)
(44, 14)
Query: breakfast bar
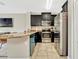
(17, 44)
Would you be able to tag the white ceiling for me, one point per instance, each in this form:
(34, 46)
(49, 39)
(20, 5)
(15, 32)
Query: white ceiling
(30, 5)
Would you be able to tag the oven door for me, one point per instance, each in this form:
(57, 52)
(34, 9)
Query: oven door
(46, 35)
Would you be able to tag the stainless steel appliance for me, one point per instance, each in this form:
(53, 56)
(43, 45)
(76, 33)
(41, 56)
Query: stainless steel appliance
(46, 23)
(46, 19)
(46, 16)
(61, 27)
(46, 33)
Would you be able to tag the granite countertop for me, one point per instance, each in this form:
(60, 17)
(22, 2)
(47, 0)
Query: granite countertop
(16, 35)
(21, 34)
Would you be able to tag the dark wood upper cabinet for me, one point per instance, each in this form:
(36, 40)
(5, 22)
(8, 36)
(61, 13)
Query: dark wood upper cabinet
(36, 20)
(65, 7)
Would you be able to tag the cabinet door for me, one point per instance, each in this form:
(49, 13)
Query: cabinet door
(38, 37)
(52, 38)
(32, 45)
(36, 20)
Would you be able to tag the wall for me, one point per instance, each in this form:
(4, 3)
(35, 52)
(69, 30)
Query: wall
(28, 20)
(21, 22)
(72, 29)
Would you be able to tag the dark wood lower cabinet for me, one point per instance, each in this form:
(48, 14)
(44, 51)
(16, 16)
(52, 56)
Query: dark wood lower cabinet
(34, 38)
(32, 44)
(38, 37)
(52, 36)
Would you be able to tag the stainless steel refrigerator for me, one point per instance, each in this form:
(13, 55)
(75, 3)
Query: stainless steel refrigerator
(61, 26)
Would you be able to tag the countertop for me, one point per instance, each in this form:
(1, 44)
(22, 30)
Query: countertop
(16, 35)
(21, 34)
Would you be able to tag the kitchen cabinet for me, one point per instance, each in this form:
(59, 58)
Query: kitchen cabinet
(38, 37)
(32, 44)
(36, 20)
(65, 7)
(34, 38)
(52, 19)
(52, 36)
(56, 34)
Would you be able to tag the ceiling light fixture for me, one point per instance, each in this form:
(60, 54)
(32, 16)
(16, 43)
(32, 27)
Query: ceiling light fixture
(48, 4)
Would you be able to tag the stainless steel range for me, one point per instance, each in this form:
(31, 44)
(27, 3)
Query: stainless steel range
(46, 35)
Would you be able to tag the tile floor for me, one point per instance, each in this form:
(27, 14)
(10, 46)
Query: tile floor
(46, 51)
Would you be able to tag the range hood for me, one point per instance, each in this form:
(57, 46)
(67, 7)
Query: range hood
(46, 16)
(46, 19)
